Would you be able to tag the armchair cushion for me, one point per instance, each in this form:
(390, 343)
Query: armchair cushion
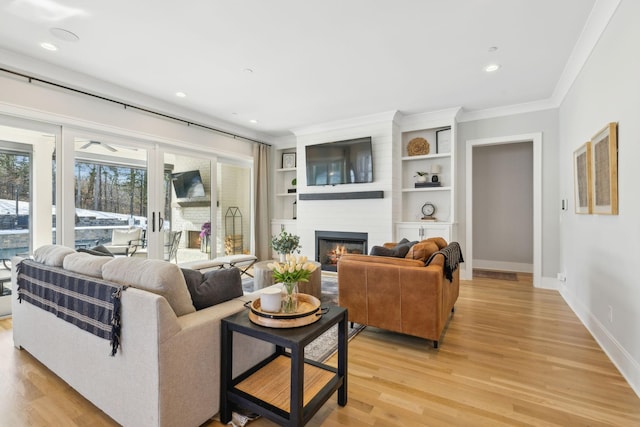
(123, 237)
(422, 250)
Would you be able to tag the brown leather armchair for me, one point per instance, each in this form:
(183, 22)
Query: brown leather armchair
(399, 294)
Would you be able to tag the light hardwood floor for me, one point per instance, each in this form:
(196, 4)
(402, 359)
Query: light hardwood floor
(512, 355)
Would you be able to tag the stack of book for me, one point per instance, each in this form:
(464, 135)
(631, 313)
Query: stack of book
(427, 184)
(429, 218)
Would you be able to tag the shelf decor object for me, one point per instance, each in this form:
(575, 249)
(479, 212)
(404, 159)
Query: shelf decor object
(604, 171)
(288, 160)
(418, 147)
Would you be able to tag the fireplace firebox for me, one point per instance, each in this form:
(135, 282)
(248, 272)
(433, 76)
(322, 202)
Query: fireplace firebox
(331, 245)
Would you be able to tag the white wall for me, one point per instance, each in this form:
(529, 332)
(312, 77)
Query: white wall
(545, 121)
(503, 207)
(599, 253)
(372, 216)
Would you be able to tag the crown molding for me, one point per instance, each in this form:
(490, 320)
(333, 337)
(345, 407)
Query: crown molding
(430, 119)
(387, 116)
(507, 110)
(597, 22)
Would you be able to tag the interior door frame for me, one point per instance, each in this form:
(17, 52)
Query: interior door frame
(536, 140)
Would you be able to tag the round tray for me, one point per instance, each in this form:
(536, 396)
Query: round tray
(308, 312)
(417, 147)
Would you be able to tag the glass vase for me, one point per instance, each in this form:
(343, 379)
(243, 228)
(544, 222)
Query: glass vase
(290, 297)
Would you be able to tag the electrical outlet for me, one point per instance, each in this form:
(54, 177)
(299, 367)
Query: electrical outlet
(610, 314)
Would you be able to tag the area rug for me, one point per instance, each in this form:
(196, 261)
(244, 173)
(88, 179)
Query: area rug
(498, 275)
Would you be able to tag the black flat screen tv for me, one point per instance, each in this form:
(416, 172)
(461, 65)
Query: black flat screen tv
(188, 185)
(340, 162)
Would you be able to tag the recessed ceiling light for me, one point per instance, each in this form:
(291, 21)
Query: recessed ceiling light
(491, 68)
(254, 121)
(493, 48)
(48, 46)
(181, 94)
(247, 71)
(63, 34)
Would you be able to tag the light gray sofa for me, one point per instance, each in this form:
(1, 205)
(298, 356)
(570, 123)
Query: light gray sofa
(167, 369)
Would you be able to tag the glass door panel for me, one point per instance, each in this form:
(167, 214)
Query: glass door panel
(25, 168)
(233, 220)
(187, 232)
(110, 193)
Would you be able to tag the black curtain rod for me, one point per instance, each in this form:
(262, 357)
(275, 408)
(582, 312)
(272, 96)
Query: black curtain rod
(125, 105)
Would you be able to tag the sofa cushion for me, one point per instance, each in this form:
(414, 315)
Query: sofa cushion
(213, 287)
(153, 275)
(85, 263)
(52, 255)
(423, 250)
(99, 250)
(399, 251)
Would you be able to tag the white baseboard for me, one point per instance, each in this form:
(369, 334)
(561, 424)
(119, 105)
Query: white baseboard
(549, 283)
(628, 367)
(517, 267)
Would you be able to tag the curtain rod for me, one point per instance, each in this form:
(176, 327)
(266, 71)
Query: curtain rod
(31, 79)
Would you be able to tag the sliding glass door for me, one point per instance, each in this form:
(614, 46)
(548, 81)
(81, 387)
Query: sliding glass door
(110, 195)
(189, 200)
(26, 194)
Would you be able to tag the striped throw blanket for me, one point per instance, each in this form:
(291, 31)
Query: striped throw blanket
(89, 303)
(452, 258)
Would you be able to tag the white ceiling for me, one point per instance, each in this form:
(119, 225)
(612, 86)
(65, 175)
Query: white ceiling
(313, 61)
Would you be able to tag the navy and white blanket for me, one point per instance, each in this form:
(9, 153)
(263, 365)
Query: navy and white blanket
(89, 303)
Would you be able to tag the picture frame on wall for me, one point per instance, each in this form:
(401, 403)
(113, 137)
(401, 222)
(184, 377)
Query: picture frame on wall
(288, 160)
(604, 166)
(582, 178)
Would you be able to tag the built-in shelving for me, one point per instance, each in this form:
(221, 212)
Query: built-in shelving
(440, 135)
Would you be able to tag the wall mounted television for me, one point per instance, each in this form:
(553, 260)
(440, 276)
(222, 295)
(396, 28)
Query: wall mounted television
(340, 162)
(188, 185)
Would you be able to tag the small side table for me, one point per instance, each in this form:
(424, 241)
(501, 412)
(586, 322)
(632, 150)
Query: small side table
(285, 387)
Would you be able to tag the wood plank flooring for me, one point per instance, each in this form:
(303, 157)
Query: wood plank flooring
(511, 356)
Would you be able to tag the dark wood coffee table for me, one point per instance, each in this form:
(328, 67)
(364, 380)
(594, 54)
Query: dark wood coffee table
(285, 387)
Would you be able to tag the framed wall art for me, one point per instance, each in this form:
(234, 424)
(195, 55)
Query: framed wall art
(604, 166)
(288, 160)
(582, 178)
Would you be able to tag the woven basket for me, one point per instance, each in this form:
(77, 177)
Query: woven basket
(418, 147)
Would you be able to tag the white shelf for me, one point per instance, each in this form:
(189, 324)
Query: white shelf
(425, 189)
(286, 194)
(426, 157)
(286, 170)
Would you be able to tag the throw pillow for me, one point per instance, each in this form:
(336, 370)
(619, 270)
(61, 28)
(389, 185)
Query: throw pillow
(99, 250)
(85, 263)
(213, 287)
(153, 275)
(399, 251)
(52, 255)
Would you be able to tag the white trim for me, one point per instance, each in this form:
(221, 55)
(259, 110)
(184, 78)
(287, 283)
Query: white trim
(628, 367)
(516, 267)
(601, 14)
(536, 139)
(387, 116)
(507, 110)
